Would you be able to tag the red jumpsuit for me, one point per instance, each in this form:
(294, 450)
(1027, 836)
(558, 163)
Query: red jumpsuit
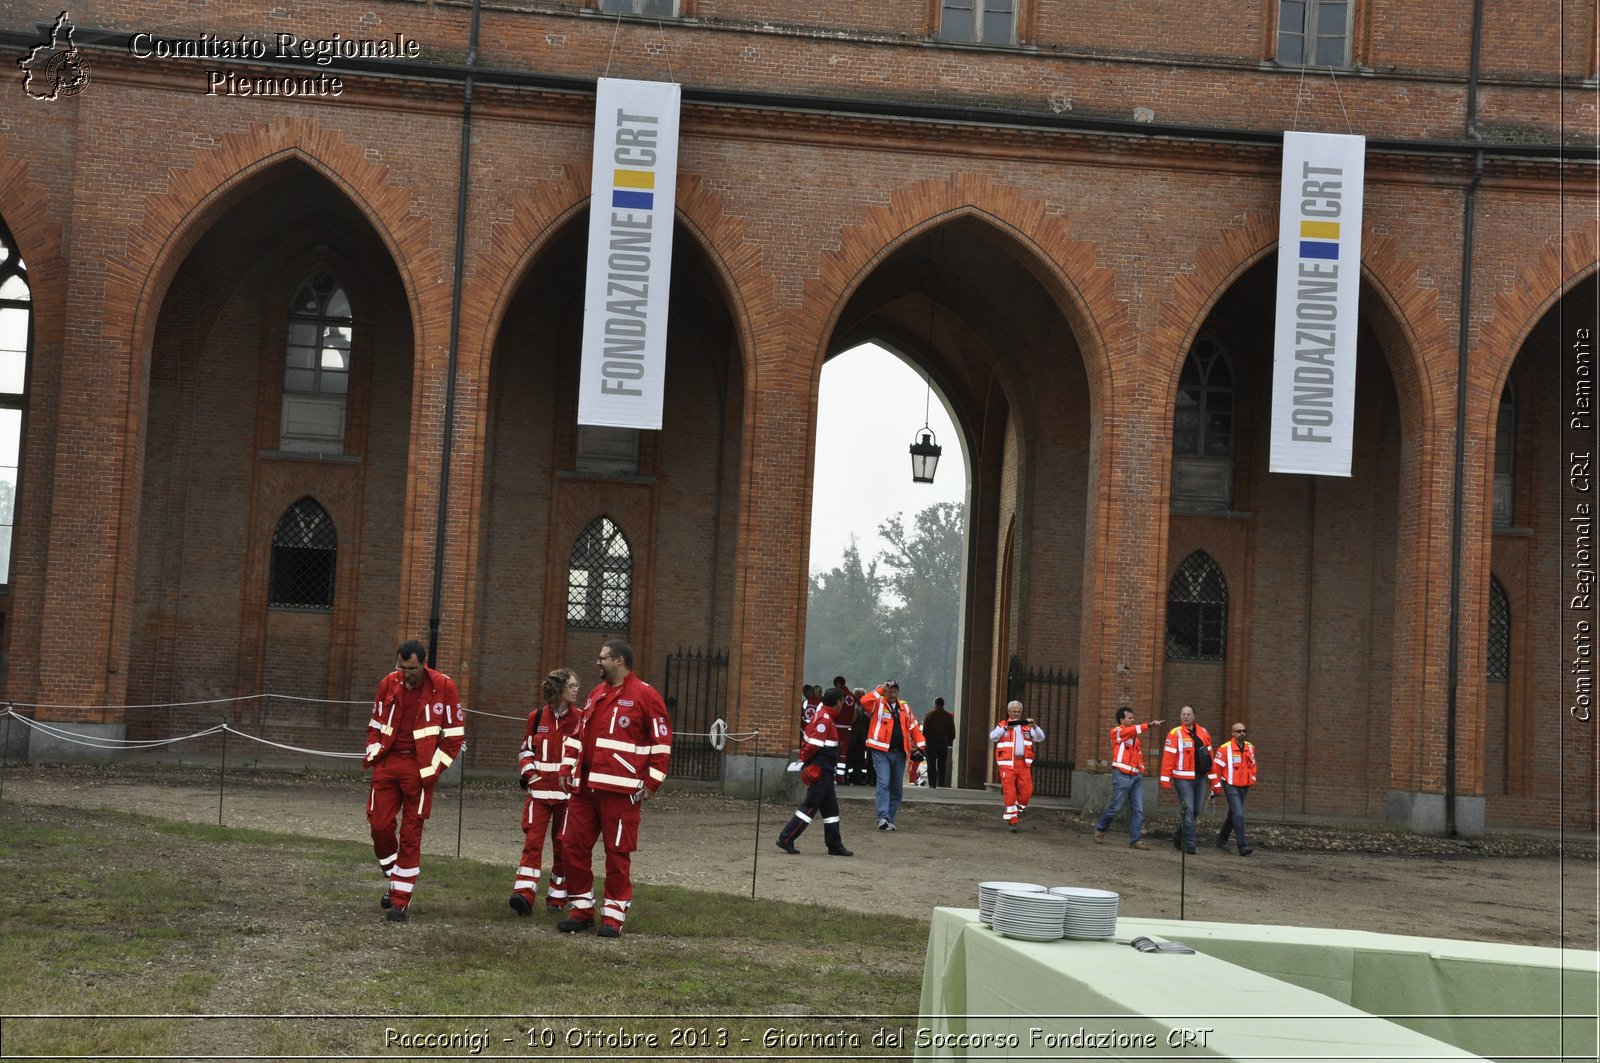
(1013, 757)
(412, 737)
(622, 748)
(539, 763)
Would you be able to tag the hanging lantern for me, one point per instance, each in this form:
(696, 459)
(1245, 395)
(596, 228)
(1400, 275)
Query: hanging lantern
(925, 457)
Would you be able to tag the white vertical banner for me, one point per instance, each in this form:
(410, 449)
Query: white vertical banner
(629, 274)
(1319, 282)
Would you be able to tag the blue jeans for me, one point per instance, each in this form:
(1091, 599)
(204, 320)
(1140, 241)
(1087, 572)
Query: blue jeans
(891, 769)
(1129, 788)
(1191, 792)
(1234, 824)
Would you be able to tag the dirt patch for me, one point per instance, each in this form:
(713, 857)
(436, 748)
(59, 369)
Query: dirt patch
(1535, 891)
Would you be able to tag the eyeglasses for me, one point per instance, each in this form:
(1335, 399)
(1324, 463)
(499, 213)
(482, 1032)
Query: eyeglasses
(1240, 731)
(606, 657)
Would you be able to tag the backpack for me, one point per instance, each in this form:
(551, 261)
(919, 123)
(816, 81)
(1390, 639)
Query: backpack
(1202, 757)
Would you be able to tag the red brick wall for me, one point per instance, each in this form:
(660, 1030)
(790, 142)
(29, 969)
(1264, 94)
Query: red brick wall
(1078, 269)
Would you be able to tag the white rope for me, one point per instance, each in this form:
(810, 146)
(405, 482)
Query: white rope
(292, 749)
(186, 704)
(494, 715)
(106, 742)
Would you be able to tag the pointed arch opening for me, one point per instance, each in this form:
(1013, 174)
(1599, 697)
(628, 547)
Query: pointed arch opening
(984, 321)
(305, 554)
(600, 579)
(281, 369)
(16, 344)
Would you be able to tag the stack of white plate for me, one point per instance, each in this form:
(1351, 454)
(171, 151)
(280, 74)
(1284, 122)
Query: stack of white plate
(1032, 916)
(1090, 913)
(987, 891)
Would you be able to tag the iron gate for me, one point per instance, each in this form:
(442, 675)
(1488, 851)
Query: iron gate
(696, 693)
(1049, 696)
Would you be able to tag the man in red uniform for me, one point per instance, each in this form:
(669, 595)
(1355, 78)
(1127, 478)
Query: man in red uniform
(539, 766)
(416, 730)
(844, 719)
(617, 759)
(819, 751)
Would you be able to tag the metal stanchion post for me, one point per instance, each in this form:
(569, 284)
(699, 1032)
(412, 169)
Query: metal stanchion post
(761, 796)
(5, 748)
(461, 802)
(222, 774)
(1183, 856)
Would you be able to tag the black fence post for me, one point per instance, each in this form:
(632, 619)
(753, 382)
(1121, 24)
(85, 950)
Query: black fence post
(222, 772)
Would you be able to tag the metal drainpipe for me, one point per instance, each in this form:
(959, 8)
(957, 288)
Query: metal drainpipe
(443, 520)
(1469, 208)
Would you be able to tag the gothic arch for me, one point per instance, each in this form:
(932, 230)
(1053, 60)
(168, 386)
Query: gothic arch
(1064, 267)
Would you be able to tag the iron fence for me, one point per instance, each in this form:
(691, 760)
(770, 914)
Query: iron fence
(696, 692)
(1049, 695)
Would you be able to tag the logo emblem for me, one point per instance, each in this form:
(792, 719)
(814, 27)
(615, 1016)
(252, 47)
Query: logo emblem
(56, 68)
(623, 721)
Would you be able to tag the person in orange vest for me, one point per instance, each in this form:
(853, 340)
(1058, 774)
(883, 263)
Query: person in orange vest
(1186, 768)
(1013, 755)
(893, 737)
(1235, 767)
(1127, 776)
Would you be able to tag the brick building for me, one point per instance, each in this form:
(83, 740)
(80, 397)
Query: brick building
(1083, 206)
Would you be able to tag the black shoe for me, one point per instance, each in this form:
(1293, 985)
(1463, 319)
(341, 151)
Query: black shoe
(841, 851)
(1247, 850)
(1189, 850)
(788, 847)
(609, 932)
(384, 901)
(1223, 846)
(520, 905)
(396, 915)
(574, 925)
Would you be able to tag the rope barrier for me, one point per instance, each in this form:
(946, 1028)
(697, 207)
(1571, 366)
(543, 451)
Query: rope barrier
(296, 749)
(189, 704)
(107, 743)
(716, 735)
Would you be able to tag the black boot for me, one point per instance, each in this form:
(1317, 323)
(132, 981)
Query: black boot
(790, 832)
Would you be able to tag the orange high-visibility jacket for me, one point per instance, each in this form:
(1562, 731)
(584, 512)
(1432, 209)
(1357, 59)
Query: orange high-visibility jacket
(1127, 752)
(1177, 756)
(880, 723)
(1235, 764)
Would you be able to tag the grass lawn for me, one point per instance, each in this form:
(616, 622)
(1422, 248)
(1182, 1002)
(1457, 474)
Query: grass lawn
(124, 935)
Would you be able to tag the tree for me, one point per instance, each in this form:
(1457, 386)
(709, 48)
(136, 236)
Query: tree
(924, 564)
(903, 625)
(846, 624)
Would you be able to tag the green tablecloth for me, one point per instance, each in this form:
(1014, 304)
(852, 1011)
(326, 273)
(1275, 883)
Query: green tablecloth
(1262, 993)
(1494, 1000)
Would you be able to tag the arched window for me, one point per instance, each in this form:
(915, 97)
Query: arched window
(304, 549)
(1505, 450)
(316, 367)
(1197, 611)
(16, 340)
(1499, 632)
(600, 578)
(1202, 429)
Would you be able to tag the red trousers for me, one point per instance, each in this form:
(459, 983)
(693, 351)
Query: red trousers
(542, 815)
(1016, 788)
(613, 818)
(398, 791)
